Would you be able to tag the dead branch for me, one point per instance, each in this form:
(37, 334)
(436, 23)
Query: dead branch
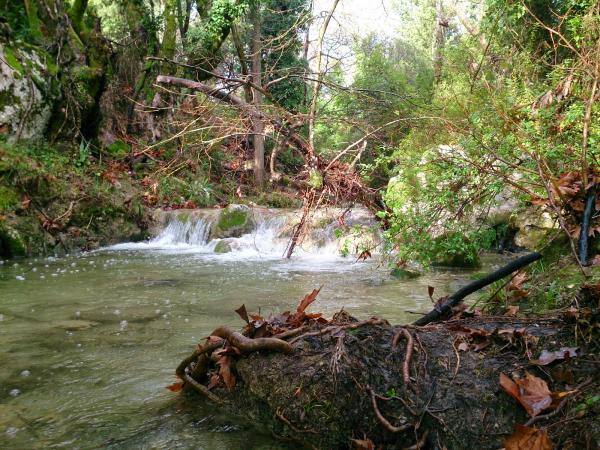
(443, 308)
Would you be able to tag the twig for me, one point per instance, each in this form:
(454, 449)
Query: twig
(202, 389)
(420, 443)
(457, 363)
(335, 328)
(382, 419)
(281, 417)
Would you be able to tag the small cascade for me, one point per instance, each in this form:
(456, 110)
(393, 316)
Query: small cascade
(192, 232)
(264, 234)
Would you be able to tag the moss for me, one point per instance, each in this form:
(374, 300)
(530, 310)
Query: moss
(232, 218)
(9, 198)
(13, 61)
(315, 179)
(11, 242)
(118, 149)
(222, 247)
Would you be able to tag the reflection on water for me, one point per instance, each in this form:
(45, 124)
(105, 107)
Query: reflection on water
(88, 343)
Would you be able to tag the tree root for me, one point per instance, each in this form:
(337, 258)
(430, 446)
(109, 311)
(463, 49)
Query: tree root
(382, 419)
(336, 328)
(247, 345)
(209, 348)
(410, 344)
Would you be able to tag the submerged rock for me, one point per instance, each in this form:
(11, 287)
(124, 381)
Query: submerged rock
(404, 274)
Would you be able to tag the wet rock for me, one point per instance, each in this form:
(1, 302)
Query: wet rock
(404, 274)
(234, 221)
(222, 247)
(74, 325)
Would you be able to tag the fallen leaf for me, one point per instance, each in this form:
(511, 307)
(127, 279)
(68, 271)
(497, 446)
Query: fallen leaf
(364, 255)
(463, 347)
(430, 291)
(526, 438)
(532, 392)
(362, 444)
(512, 311)
(175, 387)
(547, 357)
(243, 313)
(307, 300)
(224, 363)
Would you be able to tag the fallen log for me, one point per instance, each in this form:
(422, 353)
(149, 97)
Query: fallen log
(443, 308)
(349, 384)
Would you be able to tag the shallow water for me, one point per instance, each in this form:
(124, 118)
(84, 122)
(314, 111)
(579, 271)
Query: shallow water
(88, 343)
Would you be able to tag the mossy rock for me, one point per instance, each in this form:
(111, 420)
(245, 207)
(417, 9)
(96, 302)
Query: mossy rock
(222, 247)
(234, 221)
(404, 274)
(11, 242)
(466, 260)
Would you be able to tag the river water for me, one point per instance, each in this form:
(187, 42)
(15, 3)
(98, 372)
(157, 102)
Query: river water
(89, 342)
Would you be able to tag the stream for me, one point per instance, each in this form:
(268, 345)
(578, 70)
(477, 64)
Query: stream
(89, 342)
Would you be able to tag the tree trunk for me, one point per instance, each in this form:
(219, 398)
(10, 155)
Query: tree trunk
(439, 40)
(258, 138)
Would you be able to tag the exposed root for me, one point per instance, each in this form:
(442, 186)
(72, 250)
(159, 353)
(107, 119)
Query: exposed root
(247, 345)
(291, 333)
(421, 443)
(201, 389)
(409, 351)
(382, 419)
(209, 348)
(336, 328)
(281, 417)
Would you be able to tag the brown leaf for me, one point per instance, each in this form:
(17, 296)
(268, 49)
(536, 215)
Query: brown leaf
(512, 311)
(525, 438)
(307, 300)
(364, 255)
(547, 357)
(362, 444)
(532, 392)
(243, 313)
(463, 347)
(430, 291)
(224, 363)
(175, 387)
(25, 203)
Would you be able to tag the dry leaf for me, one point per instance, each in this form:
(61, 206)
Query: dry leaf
(532, 392)
(547, 357)
(224, 363)
(175, 387)
(512, 311)
(243, 313)
(525, 438)
(307, 300)
(463, 347)
(362, 444)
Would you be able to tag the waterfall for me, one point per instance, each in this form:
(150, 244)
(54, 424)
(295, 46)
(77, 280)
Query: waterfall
(268, 238)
